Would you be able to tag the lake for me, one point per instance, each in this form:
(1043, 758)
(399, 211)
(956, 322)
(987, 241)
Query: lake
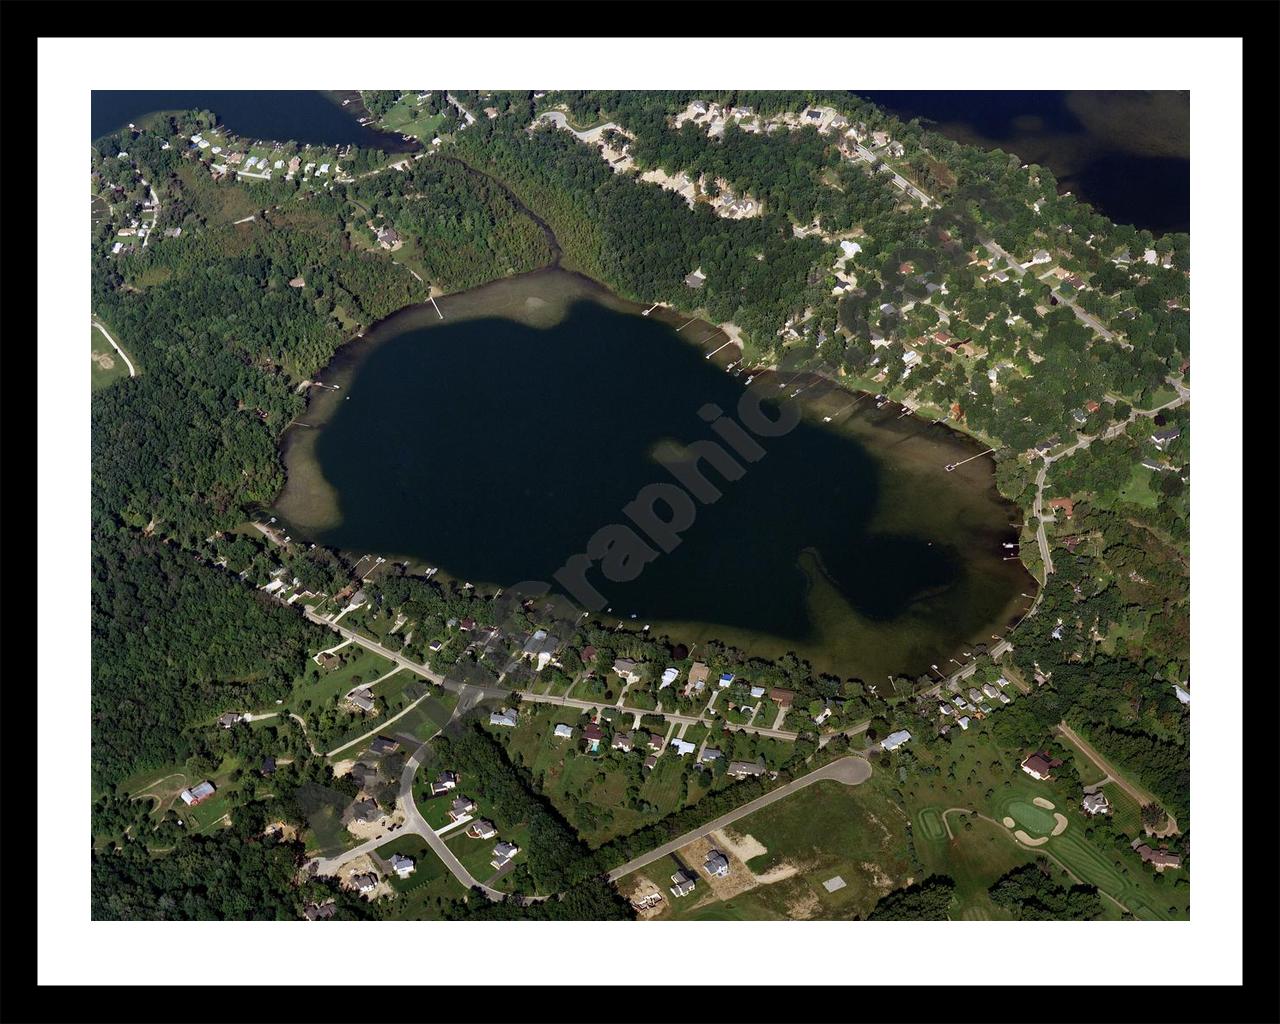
(1127, 154)
(495, 442)
(279, 115)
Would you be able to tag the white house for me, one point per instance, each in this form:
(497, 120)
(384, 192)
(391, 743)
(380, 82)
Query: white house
(681, 747)
(725, 679)
(895, 739)
(508, 717)
(564, 732)
(401, 865)
(669, 677)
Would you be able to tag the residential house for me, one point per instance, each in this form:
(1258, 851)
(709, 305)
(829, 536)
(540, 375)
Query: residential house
(783, 698)
(1160, 859)
(708, 755)
(1095, 803)
(725, 679)
(1039, 765)
(444, 782)
(509, 717)
(696, 279)
(461, 807)
(365, 884)
(319, 911)
(975, 695)
(684, 883)
(651, 761)
(387, 236)
(592, 734)
(563, 732)
(895, 739)
(682, 747)
(366, 811)
(622, 741)
(490, 112)
(698, 674)
(822, 716)
(757, 691)
(268, 766)
(627, 669)
(716, 864)
(195, 794)
(741, 769)
(402, 865)
(502, 853)
(383, 745)
(1066, 504)
(655, 742)
(481, 829)
(328, 661)
(991, 690)
(231, 718)
(362, 699)
(963, 722)
(669, 677)
(1161, 438)
(540, 648)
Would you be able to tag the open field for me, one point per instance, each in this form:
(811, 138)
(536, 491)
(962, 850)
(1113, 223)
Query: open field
(107, 366)
(804, 840)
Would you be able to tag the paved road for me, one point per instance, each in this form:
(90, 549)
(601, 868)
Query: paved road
(590, 136)
(114, 345)
(1107, 768)
(1085, 317)
(671, 716)
(851, 770)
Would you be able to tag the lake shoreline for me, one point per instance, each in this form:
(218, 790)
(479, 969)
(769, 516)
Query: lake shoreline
(512, 298)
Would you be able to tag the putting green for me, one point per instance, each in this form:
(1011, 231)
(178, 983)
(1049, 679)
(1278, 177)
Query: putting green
(1035, 820)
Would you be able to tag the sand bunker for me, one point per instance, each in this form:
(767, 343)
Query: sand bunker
(1009, 822)
(1026, 840)
(1060, 824)
(1040, 801)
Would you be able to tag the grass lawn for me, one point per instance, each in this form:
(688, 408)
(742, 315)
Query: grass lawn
(975, 858)
(418, 896)
(332, 685)
(1137, 489)
(107, 367)
(665, 787)
(1125, 810)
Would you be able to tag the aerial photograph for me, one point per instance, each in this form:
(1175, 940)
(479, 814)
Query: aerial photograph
(639, 505)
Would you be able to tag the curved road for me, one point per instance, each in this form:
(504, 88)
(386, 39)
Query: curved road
(852, 771)
(414, 824)
(589, 136)
(114, 345)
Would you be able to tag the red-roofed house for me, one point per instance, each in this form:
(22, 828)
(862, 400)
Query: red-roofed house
(1063, 503)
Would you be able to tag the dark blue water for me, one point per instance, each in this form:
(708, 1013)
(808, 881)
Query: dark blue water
(495, 449)
(277, 114)
(1114, 167)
